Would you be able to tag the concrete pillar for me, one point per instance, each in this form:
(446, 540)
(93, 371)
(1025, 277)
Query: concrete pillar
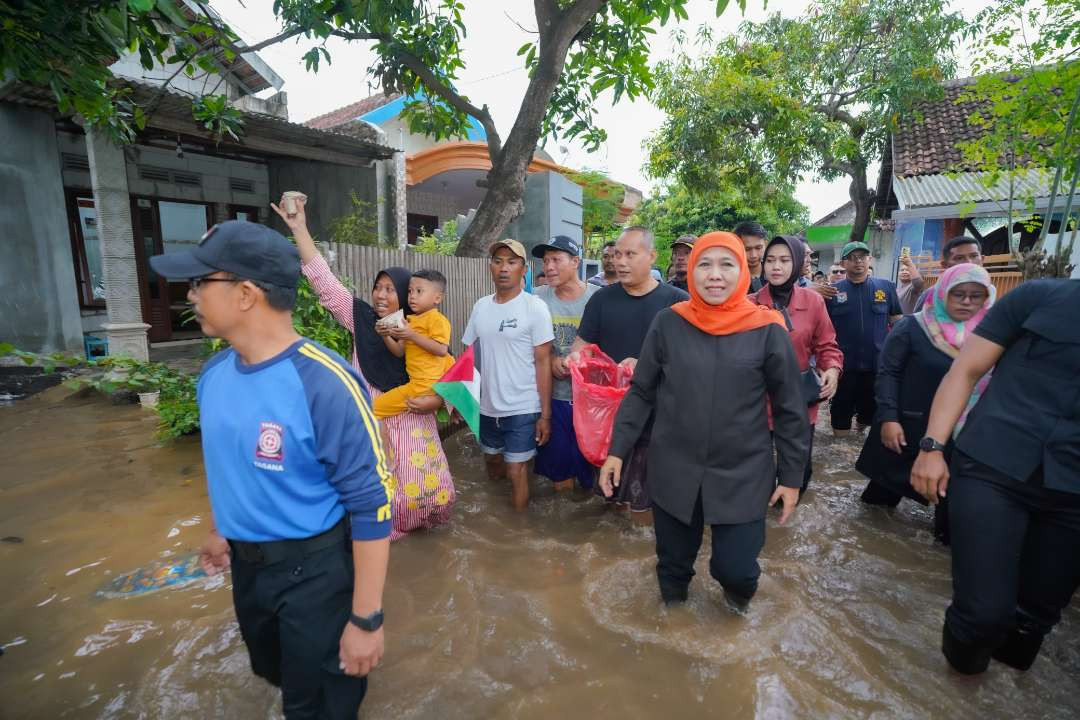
(125, 328)
(398, 207)
(221, 212)
(39, 306)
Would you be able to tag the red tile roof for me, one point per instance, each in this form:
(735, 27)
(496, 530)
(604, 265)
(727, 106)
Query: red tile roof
(926, 145)
(350, 112)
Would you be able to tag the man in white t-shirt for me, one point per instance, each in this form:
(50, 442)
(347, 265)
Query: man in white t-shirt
(512, 334)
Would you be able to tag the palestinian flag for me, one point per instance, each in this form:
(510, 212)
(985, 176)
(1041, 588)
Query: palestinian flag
(460, 387)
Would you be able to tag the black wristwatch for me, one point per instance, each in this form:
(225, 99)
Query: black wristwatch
(929, 444)
(371, 623)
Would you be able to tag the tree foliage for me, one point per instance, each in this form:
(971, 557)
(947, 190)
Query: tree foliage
(814, 96)
(601, 199)
(679, 211)
(68, 45)
(583, 48)
(1027, 92)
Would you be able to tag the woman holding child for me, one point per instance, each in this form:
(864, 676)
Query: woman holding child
(706, 369)
(425, 491)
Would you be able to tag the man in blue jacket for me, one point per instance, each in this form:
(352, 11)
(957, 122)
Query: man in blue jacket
(862, 311)
(297, 478)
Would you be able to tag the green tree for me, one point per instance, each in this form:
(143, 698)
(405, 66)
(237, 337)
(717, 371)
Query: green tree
(601, 199)
(818, 95)
(582, 49)
(1027, 94)
(67, 45)
(678, 211)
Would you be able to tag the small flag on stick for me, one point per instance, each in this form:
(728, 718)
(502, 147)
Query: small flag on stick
(460, 387)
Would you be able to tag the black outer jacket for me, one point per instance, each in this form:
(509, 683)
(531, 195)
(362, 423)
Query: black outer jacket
(909, 372)
(711, 434)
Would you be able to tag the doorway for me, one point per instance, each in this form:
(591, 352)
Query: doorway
(164, 226)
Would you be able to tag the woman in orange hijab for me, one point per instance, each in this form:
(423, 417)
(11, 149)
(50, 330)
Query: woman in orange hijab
(706, 369)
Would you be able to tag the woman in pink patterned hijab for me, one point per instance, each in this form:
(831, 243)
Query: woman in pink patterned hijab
(952, 310)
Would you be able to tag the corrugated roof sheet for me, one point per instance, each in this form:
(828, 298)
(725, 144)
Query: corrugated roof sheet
(923, 191)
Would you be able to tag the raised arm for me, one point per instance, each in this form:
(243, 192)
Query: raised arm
(333, 296)
(930, 474)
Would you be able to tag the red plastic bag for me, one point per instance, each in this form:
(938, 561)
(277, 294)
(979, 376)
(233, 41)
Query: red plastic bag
(598, 387)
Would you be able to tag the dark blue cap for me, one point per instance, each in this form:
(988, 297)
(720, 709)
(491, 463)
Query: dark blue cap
(247, 250)
(559, 242)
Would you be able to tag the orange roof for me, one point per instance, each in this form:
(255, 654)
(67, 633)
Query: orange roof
(461, 155)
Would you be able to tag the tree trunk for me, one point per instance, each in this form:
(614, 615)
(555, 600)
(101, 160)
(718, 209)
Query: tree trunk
(863, 200)
(502, 202)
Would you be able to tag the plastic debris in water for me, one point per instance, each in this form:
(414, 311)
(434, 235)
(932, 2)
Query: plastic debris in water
(172, 573)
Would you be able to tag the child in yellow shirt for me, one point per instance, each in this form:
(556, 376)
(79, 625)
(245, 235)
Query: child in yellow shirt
(424, 342)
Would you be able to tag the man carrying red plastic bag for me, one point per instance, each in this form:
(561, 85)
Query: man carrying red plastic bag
(599, 387)
(616, 320)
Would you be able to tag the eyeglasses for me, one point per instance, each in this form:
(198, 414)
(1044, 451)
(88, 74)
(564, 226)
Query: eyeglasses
(972, 297)
(198, 282)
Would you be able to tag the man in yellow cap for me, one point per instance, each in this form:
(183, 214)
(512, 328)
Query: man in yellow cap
(511, 334)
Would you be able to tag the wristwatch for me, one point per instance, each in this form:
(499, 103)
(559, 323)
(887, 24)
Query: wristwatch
(929, 444)
(371, 623)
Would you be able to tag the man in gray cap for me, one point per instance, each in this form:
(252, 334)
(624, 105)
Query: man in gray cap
(297, 477)
(560, 459)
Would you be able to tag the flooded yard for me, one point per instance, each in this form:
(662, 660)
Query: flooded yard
(554, 614)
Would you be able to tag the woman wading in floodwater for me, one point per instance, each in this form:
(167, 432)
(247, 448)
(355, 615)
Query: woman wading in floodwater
(706, 368)
(425, 491)
(917, 353)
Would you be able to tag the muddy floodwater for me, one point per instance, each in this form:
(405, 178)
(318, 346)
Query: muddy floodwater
(554, 614)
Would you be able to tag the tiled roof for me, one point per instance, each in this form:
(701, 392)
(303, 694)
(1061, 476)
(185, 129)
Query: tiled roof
(350, 112)
(927, 145)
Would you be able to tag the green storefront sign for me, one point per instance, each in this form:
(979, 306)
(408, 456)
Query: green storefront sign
(831, 234)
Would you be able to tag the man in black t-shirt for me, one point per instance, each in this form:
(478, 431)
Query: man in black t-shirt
(616, 319)
(754, 237)
(618, 316)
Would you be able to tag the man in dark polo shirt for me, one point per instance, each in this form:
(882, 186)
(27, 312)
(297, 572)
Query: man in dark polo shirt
(862, 311)
(616, 319)
(298, 481)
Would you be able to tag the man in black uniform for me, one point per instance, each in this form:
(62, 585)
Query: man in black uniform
(1013, 488)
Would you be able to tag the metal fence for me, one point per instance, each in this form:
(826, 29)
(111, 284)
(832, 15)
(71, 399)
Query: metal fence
(467, 279)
